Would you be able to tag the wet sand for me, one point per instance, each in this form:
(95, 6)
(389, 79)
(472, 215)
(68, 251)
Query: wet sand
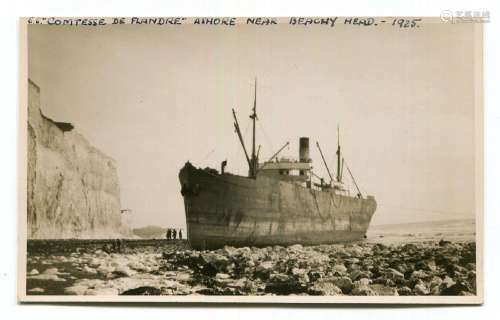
(161, 267)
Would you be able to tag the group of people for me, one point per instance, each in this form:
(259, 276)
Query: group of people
(114, 246)
(172, 234)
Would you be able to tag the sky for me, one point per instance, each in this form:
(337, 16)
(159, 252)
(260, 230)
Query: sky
(154, 97)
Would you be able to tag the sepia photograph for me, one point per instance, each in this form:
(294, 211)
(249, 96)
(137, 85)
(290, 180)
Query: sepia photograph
(258, 159)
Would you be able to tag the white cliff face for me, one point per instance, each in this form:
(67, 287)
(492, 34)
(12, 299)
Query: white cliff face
(73, 189)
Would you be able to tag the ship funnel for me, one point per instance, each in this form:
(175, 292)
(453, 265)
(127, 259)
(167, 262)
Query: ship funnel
(304, 150)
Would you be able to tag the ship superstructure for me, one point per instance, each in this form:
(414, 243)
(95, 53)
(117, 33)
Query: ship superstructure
(280, 202)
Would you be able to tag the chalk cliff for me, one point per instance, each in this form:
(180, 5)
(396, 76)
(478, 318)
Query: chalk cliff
(73, 189)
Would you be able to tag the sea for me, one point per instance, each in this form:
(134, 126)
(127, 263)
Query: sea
(463, 230)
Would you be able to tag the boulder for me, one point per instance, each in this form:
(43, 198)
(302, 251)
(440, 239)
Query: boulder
(363, 290)
(344, 283)
(315, 275)
(358, 274)
(213, 263)
(404, 291)
(381, 290)
(105, 269)
(447, 282)
(222, 276)
(264, 269)
(142, 291)
(455, 290)
(419, 274)
(420, 289)
(88, 269)
(351, 261)
(357, 251)
(300, 275)
(279, 277)
(363, 282)
(394, 275)
(470, 266)
(78, 290)
(33, 272)
(51, 271)
(443, 242)
(295, 247)
(47, 277)
(183, 276)
(229, 251)
(325, 288)
(283, 284)
(435, 285)
(124, 271)
(339, 269)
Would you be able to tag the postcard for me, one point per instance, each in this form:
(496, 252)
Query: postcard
(258, 159)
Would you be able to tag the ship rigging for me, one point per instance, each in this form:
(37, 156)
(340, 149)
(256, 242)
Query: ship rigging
(254, 167)
(277, 203)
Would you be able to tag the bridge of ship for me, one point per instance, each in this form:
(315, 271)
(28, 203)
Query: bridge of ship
(286, 169)
(299, 172)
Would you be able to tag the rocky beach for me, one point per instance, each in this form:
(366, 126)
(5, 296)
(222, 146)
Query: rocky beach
(161, 267)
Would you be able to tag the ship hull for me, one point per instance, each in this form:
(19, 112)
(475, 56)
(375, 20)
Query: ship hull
(226, 209)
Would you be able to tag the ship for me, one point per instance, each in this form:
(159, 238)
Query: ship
(280, 202)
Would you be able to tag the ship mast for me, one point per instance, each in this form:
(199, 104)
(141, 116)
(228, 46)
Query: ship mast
(324, 162)
(339, 174)
(253, 116)
(238, 131)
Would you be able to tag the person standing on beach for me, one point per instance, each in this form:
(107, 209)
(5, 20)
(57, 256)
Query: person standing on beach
(169, 234)
(180, 234)
(174, 234)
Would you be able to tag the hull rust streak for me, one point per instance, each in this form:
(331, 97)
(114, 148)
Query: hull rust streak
(226, 209)
(277, 204)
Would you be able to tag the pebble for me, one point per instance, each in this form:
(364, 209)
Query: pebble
(433, 268)
(340, 269)
(325, 288)
(344, 283)
(363, 290)
(421, 290)
(33, 272)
